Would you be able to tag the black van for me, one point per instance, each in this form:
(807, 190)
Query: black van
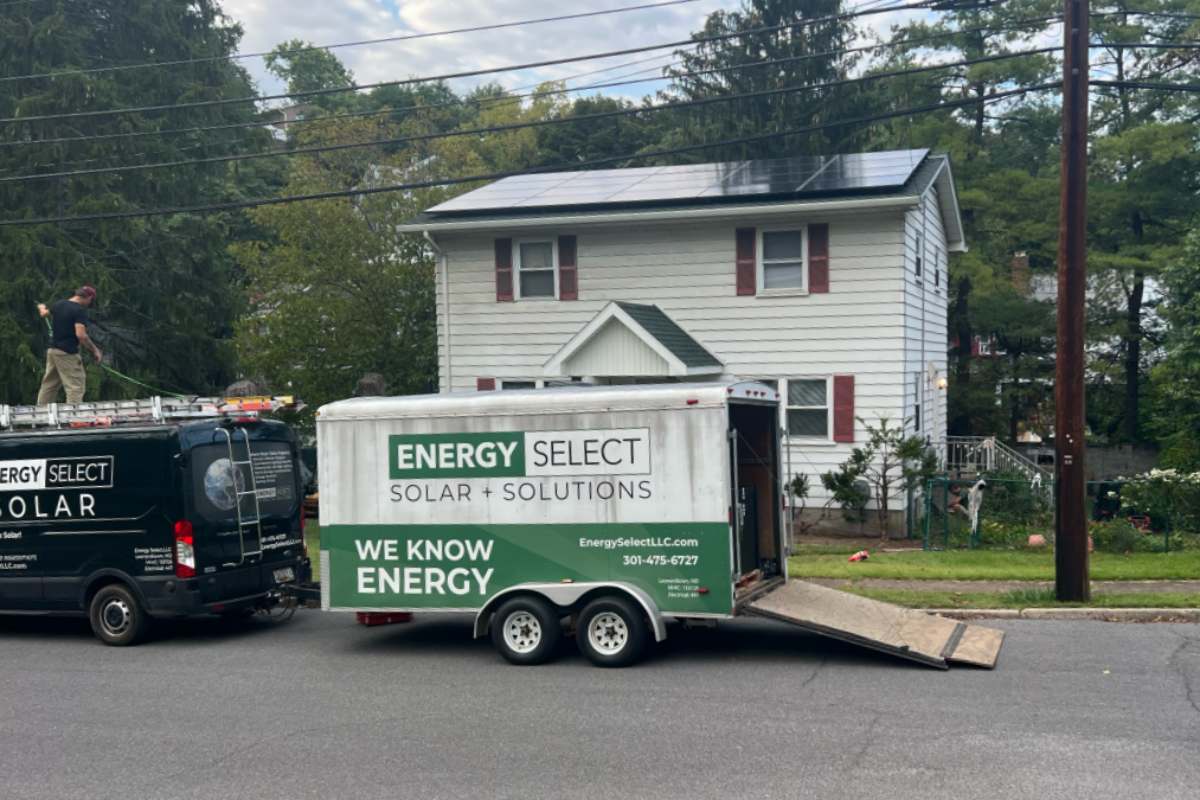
(129, 522)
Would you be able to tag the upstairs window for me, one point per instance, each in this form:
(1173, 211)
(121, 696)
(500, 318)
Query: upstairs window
(919, 266)
(808, 407)
(535, 268)
(782, 263)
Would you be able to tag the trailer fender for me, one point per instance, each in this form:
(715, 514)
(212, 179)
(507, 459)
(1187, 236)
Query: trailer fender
(566, 595)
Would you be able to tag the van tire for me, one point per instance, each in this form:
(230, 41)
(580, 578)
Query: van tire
(612, 632)
(526, 630)
(117, 617)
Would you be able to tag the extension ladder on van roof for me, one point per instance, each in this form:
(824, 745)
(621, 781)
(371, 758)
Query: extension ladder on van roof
(150, 410)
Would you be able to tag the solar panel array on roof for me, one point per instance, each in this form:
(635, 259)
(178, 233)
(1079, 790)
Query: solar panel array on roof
(798, 176)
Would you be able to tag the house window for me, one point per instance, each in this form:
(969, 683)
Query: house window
(781, 263)
(535, 267)
(507, 384)
(937, 273)
(917, 402)
(808, 407)
(920, 262)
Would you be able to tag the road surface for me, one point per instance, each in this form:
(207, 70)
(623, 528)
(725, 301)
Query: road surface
(321, 708)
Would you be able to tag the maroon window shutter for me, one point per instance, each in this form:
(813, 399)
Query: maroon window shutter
(974, 345)
(843, 408)
(485, 384)
(818, 259)
(747, 266)
(504, 270)
(568, 269)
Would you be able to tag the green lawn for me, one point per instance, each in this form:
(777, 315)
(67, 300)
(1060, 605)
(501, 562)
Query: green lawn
(978, 565)
(1027, 599)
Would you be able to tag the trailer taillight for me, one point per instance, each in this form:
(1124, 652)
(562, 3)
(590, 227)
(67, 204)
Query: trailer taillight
(185, 550)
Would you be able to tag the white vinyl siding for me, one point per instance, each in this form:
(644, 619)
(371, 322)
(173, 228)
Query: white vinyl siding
(925, 314)
(862, 327)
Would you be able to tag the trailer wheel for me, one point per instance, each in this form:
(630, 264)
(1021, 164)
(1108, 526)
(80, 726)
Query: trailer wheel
(526, 630)
(117, 617)
(612, 632)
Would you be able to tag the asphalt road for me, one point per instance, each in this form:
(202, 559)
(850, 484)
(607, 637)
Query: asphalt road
(322, 708)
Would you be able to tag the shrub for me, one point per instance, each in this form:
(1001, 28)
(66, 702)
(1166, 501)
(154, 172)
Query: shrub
(1170, 498)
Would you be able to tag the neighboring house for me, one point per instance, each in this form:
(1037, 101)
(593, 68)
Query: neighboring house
(823, 275)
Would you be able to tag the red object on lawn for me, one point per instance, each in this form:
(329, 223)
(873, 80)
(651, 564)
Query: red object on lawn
(373, 618)
(861, 555)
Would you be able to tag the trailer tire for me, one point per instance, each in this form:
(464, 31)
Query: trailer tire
(526, 630)
(612, 632)
(117, 617)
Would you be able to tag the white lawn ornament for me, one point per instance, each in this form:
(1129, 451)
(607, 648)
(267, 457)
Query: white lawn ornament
(974, 502)
(1036, 483)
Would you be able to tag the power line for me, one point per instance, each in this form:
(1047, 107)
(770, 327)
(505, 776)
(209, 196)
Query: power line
(509, 98)
(1149, 45)
(465, 73)
(327, 47)
(573, 166)
(582, 118)
(1154, 85)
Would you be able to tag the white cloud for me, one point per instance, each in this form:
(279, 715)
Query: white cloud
(331, 21)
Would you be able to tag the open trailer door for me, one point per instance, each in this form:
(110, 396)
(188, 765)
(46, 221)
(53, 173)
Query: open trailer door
(915, 635)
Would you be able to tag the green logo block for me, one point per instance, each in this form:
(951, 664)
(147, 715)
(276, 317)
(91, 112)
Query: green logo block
(456, 455)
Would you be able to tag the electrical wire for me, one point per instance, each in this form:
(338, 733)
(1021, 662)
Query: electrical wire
(1153, 85)
(570, 166)
(578, 119)
(482, 102)
(328, 47)
(463, 73)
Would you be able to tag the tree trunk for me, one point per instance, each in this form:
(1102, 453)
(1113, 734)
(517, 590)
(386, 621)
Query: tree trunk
(1133, 356)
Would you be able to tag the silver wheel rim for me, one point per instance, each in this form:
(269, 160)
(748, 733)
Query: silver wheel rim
(608, 633)
(115, 617)
(522, 632)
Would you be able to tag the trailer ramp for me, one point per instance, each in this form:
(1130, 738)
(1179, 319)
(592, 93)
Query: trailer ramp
(915, 635)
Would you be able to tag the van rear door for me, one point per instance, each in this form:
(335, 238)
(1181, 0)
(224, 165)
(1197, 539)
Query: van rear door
(243, 513)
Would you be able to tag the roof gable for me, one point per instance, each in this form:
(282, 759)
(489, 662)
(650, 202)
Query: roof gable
(633, 339)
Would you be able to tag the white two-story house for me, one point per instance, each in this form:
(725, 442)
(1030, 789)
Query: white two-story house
(824, 275)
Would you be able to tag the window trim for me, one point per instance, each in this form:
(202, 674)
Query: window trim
(760, 272)
(918, 400)
(517, 267)
(538, 383)
(785, 406)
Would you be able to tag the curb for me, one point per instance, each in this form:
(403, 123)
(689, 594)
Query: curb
(1101, 614)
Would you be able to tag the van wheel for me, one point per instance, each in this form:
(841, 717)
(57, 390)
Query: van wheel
(526, 630)
(117, 617)
(612, 632)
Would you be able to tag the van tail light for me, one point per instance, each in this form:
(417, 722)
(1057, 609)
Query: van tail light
(185, 550)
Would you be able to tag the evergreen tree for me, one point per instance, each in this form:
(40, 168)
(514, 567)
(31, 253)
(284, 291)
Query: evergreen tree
(167, 305)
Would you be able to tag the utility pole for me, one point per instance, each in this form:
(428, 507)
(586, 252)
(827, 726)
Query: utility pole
(1070, 488)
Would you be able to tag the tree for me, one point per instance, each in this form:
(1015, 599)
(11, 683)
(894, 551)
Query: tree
(168, 296)
(812, 49)
(1176, 418)
(334, 290)
(891, 463)
(305, 68)
(1142, 191)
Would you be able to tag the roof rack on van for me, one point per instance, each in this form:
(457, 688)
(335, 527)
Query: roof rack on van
(149, 410)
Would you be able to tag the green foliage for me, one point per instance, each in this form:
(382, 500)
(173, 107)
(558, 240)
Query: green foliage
(168, 286)
(890, 463)
(1170, 498)
(1010, 498)
(1176, 417)
(334, 291)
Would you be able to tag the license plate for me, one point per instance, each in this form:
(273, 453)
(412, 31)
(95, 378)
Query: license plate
(285, 575)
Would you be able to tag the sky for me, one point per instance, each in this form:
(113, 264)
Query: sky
(266, 23)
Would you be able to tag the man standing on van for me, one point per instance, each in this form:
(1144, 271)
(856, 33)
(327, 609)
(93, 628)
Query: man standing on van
(64, 366)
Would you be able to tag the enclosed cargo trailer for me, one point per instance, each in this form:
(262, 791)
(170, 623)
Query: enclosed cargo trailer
(613, 509)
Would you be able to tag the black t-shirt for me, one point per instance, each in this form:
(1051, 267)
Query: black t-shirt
(65, 314)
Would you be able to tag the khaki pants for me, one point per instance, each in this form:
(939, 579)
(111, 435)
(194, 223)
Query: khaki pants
(63, 370)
